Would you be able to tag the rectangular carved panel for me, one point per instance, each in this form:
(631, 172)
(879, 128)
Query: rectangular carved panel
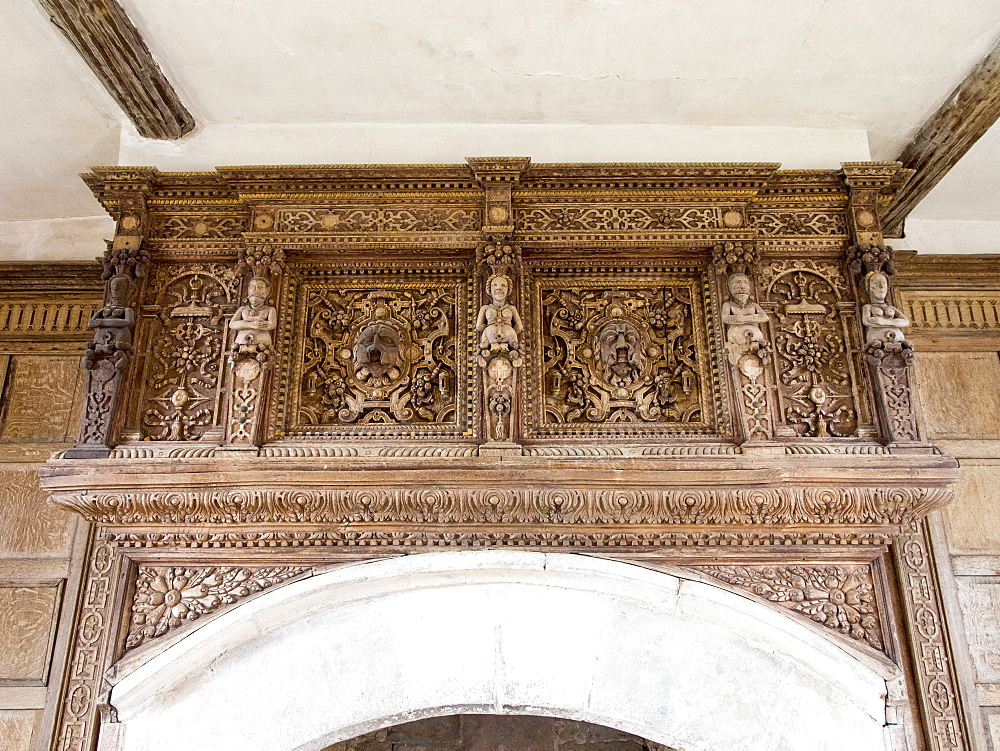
(813, 321)
(620, 352)
(958, 395)
(27, 622)
(39, 399)
(944, 312)
(183, 323)
(28, 525)
(377, 354)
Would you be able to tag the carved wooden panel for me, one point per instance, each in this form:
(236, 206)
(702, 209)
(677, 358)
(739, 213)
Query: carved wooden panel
(39, 399)
(946, 312)
(29, 525)
(364, 218)
(22, 318)
(813, 336)
(980, 602)
(620, 352)
(27, 625)
(376, 354)
(958, 395)
(183, 320)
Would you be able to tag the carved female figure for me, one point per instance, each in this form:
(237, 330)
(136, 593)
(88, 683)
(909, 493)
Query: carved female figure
(113, 324)
(741, 314)
(255, 321)
(498, 322)
(884, 324)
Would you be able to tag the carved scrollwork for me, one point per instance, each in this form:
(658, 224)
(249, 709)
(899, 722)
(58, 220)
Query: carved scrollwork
(377, 356)
(628, 356)
(799, 223)
(617, 219)
(337, 219)
(188, 326)
(841, 598)
(167, 598)
(815, 375)
(197, 226)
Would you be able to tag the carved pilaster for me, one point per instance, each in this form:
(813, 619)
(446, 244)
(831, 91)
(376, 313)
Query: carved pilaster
(252, 347)
(747, 346)
(109, 353)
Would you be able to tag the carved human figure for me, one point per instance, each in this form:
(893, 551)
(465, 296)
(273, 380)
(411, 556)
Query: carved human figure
(884, 324)
(113, 327)
(741, 314)
(255, 321)
(498, 322)
(622, 351)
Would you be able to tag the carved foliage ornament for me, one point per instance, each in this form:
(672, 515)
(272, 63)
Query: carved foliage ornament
(343, 219)
(187, 328)
(841, 598)
(379, 353)
(167, 598)
(617, 219)
(621, 355)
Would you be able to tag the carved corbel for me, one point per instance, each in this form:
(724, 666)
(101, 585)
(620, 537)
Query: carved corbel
(109, 353)
(747, 346)
(252, 346)
(497, 177)
(499, 339)
(871, 185)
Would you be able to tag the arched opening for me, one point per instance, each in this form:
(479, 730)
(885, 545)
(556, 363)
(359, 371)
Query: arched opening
(674, 660)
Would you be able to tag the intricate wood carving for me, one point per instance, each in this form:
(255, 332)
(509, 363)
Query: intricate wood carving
(839, 597)
(937, 683)
(621, 352)
(108, 42)
(167, 598)
(376, 354)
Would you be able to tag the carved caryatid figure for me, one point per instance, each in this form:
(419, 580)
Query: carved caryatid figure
(884, 324)
(498, 323)
(742, 317)
(113, 327)
(255, 321)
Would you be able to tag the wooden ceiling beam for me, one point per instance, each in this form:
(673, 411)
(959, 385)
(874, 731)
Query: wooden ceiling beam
(945, 138)
(109, 43)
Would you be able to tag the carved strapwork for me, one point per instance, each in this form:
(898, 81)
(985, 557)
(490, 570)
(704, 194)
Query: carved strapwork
(252, 347)
(886, 349)
(109, 353)
(747, 346)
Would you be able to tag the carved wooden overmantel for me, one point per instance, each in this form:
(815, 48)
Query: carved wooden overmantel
(693, 364)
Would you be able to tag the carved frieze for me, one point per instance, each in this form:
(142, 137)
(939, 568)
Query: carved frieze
(197, 226)
(185, 318)
(367, 219)
(839, 597)
(620, 352)
(377, 353)
(585, 219)
(167, 598)
(821, 223)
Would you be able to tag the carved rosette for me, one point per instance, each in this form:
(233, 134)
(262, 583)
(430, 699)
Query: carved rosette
(840, 598)
(252, 348)
(168, 598)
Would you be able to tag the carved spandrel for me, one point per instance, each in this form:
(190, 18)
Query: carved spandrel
(620, 356)
(186, 330)
(377, 354)
(838, 597)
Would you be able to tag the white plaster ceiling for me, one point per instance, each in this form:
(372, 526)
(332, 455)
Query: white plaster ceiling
(832, 66)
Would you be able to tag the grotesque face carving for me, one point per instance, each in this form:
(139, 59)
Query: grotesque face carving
(621, 351)
(376, 351)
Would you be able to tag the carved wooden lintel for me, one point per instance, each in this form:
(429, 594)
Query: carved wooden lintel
(109, 43)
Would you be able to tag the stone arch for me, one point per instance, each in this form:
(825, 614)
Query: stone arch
(676, 660)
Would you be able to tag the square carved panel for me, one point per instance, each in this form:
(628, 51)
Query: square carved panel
(376, 354)
(620, 352)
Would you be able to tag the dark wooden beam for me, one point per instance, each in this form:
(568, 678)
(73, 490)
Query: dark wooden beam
(968, 113)
(104, 36)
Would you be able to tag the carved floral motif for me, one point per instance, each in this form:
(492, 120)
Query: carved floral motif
(188, 333)
(348, 219)
(799, 223)
(197, 226)
(621, 354)
(841, 598)
(376, 354)
(617, 219)
(167, 598)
